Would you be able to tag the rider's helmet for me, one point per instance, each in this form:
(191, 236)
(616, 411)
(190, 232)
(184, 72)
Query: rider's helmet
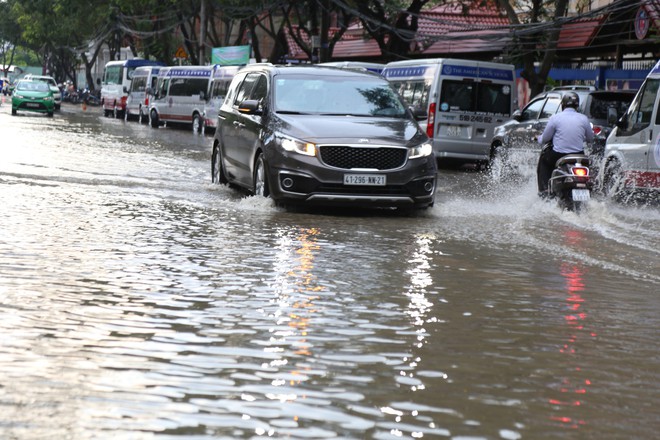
(570, 99)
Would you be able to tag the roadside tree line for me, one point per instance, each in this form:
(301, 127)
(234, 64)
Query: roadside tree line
(67, 33)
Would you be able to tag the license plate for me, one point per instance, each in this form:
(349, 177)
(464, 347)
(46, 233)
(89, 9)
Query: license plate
(32, 104)
(365, 179)
(581, 195)
(454, 130)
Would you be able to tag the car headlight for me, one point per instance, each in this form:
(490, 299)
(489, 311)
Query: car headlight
(297, 146)
(421, 150)
(17, 96)
(48, 98)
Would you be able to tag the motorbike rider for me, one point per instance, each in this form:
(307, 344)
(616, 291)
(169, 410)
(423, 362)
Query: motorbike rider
(565, 134)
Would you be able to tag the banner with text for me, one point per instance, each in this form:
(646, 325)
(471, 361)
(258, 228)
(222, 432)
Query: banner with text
(231, 55)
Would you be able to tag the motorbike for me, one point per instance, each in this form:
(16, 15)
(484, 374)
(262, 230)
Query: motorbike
(570, 182)
(91, 98)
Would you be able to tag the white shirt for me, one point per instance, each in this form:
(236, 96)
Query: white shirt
(568, 131)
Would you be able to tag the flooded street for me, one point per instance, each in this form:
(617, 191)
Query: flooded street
(138, 300)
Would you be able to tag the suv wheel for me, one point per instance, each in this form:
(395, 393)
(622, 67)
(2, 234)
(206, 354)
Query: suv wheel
(217, 172)
(260, 178)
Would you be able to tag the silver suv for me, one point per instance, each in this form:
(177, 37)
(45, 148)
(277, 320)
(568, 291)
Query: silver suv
(323, 136)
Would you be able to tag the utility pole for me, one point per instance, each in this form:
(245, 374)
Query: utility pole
(202, 32)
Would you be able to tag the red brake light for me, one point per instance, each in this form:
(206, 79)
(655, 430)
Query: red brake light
(597, 130)
(580, 171)
(430, 126)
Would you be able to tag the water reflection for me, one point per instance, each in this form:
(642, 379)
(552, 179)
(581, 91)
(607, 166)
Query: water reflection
(574, 386)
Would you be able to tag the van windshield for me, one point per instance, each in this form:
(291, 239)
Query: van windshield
(358, 96)
(113, 75)
(468, 96)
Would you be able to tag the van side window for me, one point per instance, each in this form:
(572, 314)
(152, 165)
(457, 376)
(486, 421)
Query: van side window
(641, 110)
(494, 98)
(458, 95)
(162, 88)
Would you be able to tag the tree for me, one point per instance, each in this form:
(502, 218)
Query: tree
(533, 39)
(10, 36)
(393, 25)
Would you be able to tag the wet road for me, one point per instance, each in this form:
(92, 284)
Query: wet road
(138, 300)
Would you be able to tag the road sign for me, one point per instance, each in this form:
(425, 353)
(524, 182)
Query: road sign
(180, 53)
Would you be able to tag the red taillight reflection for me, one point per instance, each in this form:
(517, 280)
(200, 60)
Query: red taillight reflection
(579, 171)
(430, 126)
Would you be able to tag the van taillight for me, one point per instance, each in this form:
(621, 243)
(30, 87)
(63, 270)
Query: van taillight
(431, 121)
(146, 100)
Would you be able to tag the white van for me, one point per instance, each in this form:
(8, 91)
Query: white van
(632, 150)
(142, 86)
(220, 80)
(180, 96)
(458, 102)
(116, 82)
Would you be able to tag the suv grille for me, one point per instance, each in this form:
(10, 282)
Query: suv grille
(379, 158)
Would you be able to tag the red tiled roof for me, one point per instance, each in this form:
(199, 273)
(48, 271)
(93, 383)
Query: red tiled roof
(443, 29)
(579, 33)
(457, 43)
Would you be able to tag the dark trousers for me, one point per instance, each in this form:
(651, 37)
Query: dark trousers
(547, 161)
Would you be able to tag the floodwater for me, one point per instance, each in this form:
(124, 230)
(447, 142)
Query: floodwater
(139, 301)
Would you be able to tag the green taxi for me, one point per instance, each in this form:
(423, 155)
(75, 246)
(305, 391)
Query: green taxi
(32, 96)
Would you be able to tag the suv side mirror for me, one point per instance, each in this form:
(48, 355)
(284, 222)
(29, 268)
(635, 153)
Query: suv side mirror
(517, 115)
(611, 116)
(250, 107)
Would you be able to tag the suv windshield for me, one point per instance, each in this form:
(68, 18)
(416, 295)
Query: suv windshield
(336, 96)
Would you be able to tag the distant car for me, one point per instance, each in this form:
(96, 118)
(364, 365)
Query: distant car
(600, 105)
(322, 136)
(517, 139)
(57, 93)
(32, 96)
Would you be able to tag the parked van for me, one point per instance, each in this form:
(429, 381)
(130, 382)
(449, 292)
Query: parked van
(632, 150)
(142, 86)
(181, 95)
(116, 83)
(220, 80)
(458, 102)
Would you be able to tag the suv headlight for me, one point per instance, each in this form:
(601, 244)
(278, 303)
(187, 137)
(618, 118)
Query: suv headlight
(421, 150)
(295, 145)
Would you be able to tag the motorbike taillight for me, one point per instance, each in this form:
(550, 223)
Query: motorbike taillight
(580, 171)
